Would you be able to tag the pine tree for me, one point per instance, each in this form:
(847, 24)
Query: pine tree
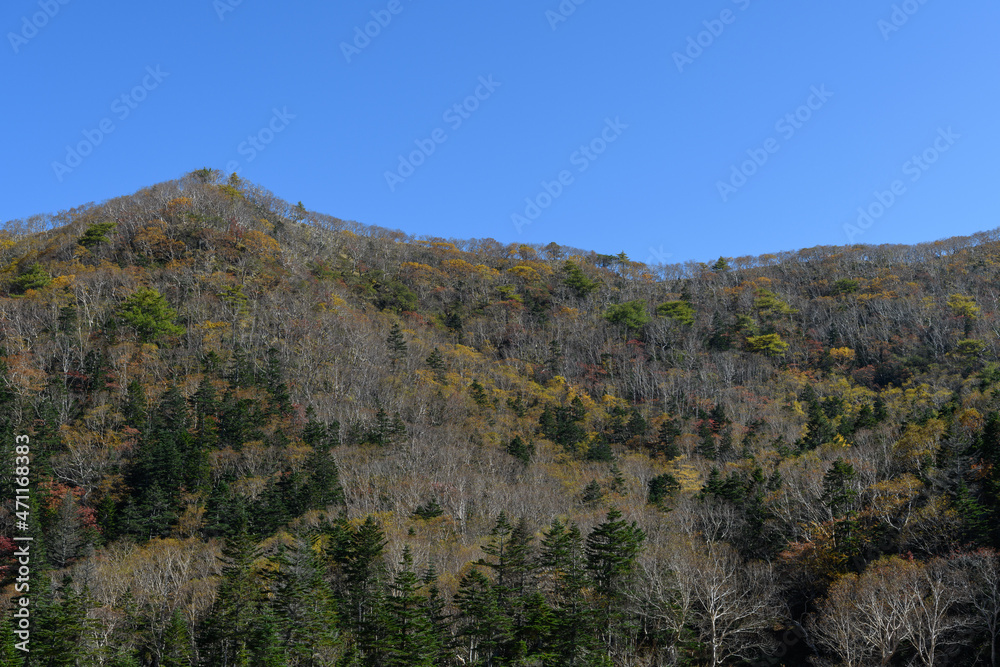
(521, 450)
(592, 493)
(837, 494)
(227, 636)
(436, 363)
(396, 343)
(563, 565)
(176, 642)
(438, 622)
(8, 653)
(364, 590)
(274, 382)
(61, 626)
(482, 624)
(409, 638)
(666, 439)
(611, 550)
(304, 609)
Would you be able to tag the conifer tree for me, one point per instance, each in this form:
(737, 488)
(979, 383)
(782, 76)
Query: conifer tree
(436, 363)
(396, 343)
(611, 550)
(304, 609)
(176, 642)
(8, 653)
(364, 585)
(439, 624)
(409, 638)
(228, 636)
(563, 564)
(484, 628)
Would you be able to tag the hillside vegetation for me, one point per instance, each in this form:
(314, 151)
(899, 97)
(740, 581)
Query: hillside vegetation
(265, 436)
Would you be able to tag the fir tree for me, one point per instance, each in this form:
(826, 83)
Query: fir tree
(611, 550)
(409, 634)
(436, 363)
(396, 343)
(304, 610)
(364, 590)
(176, 642)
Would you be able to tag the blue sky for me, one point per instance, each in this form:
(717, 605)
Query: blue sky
(590, 129)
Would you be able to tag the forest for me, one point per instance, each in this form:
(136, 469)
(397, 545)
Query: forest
(263, 436)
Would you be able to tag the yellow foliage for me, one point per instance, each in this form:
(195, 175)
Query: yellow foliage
(261, 245)
(919, 443)
(525, 273)
(842, 355)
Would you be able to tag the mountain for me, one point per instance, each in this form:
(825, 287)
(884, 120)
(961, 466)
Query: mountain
(260, 435)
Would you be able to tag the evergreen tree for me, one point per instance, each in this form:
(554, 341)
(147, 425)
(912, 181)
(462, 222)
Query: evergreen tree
(61, 627)
(410, 638)
(230, 634)
(482, 625)
(563, 563)
(521, 450)
(439, 625)
(662, 488)
(396, 343)
(9, 655)
(274, 382)
(592, 493)
(611, 550)
(304, 610)
(837, 493)
(436, 363)
(666, 439)
(364, 585)
(176, 643)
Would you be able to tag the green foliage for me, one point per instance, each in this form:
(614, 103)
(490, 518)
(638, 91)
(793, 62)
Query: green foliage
(429, 510)
(631, 314)
(96, 234)
(838, 495)
(680, 311)
(436, 363)
(845, 286)
(521, 450)
(770, 306)
(396, 343)
(969, 347)
(562, 424)
(592, 493)
(768, 344)
(662, 488)
(577, 280)
(35, 278)
(150, 315)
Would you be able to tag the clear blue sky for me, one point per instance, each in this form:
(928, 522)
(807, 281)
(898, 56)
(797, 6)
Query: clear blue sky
(225, 68)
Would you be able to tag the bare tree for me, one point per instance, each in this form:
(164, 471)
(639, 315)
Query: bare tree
(733, 604)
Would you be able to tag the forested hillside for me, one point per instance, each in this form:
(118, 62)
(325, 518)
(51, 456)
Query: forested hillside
(264, 436)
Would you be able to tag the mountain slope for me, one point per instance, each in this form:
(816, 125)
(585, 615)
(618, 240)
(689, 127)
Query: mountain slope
(206, 371)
